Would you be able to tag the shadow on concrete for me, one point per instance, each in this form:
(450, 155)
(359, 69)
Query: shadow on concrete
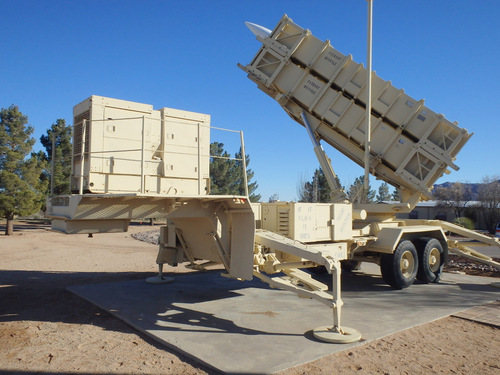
(42, 296)
(206, 310)
(186, 305)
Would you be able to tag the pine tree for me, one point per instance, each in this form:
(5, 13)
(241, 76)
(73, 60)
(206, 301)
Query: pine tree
(238, 170)
(226, 173)
(316, 190)
(21, 188)
(395, 195)
(358, 194)
(383, 193)
(221, 179)
(61, 134)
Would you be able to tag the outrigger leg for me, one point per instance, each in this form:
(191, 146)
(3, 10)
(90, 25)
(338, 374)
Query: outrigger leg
(336, 334)
(160, 278)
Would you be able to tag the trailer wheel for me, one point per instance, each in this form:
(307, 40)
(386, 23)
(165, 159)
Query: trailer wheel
(431, 259)
(399, 269)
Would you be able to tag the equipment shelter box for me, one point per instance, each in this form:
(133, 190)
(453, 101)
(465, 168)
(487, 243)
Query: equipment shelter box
(308, 222)
(126, 147)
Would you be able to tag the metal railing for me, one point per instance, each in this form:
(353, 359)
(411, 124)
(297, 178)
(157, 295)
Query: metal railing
(83, 154)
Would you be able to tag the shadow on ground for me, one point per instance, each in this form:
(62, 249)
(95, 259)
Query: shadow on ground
(42, 296)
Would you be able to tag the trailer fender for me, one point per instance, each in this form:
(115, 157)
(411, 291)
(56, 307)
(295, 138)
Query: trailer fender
(389, 238)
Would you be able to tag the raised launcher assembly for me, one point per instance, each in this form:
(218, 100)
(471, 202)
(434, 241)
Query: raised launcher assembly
(411, 145)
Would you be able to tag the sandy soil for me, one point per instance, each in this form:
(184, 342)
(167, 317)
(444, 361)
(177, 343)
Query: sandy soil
(45, 329)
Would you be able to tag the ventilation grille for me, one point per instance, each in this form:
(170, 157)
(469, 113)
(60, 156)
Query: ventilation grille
(78, 132)
(284, 221)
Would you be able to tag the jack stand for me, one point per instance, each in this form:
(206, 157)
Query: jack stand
(336, 334)
(160, 279)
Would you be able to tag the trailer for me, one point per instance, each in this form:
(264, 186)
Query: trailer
(131, 161)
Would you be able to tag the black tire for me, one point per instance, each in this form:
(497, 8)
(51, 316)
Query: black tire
(399, 269)
(431, 259)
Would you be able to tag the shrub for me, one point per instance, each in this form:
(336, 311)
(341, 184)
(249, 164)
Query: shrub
(465, 222)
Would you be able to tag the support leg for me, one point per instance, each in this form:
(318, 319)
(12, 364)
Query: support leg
(160, 279)
(336, 334)
(167, 252)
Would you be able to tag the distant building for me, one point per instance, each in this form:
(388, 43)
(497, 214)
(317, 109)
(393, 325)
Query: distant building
(430, 210)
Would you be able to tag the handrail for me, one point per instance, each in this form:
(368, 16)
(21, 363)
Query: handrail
(88, 153)
(143, 145)
(82, 156)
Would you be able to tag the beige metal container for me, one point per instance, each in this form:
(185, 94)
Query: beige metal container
(308, 222)
(127, 147)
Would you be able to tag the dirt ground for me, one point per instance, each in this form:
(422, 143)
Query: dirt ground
(45, 329)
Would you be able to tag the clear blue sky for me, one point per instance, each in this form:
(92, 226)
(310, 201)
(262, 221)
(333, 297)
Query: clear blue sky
(184, 54)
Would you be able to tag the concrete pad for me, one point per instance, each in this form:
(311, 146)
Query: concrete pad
(248, 328)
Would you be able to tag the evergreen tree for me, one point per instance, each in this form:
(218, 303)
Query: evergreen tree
(395, 195)
(316, 190)
(61, 134)
(383, 193)
(226, 173)
(238, 171)
(358, 194)
(221, 180)
(21, 185)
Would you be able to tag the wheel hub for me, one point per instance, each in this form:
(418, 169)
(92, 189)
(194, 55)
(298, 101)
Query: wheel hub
(434, 260)
(407, 264)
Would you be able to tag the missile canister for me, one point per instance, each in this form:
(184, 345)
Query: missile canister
(411, 145)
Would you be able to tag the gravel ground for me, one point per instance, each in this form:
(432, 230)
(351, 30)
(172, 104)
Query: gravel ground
(150, 236)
